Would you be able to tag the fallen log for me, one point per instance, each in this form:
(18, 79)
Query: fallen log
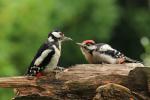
(81, 82)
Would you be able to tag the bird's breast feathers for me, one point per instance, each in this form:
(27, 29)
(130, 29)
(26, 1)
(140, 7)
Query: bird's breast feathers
(87, 55)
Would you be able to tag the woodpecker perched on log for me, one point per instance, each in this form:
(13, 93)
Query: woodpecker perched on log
(103, 53)
(48, 55)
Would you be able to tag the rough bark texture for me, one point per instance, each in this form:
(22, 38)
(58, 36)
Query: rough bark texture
(85, 82)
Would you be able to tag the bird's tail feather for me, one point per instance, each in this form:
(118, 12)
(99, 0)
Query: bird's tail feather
(129, 60)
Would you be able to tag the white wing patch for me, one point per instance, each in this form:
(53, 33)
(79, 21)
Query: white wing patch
(56, 34)
(42, 57)
(105, 47)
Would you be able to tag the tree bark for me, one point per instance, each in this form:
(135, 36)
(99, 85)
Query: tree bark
(85, 82)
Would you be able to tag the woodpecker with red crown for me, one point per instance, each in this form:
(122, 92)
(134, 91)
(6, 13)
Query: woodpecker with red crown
(103, 53)
(47, 57)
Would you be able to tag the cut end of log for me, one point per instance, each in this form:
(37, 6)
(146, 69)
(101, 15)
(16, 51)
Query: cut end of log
(113, 91)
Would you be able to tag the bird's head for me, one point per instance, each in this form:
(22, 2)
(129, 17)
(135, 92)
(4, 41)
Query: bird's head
(87, 48)
(88, 45)
(57, 35)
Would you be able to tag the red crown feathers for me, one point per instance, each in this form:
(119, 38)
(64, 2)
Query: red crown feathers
(88, 42)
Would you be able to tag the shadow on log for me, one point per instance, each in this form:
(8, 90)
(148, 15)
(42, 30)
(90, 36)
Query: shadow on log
(85, 82)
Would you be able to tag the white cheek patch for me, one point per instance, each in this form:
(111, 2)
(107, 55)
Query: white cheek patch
(91, 47)
(56, 34)
(50, 39)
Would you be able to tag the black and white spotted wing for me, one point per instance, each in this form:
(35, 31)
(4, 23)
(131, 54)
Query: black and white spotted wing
(38, 64)
(116, 54)
(108, 50)
(113, 53)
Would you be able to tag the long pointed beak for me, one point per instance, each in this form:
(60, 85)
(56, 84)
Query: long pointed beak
(67, 38)
(80, 44)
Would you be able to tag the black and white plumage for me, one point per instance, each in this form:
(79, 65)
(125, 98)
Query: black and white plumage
(47, 57)
(103, 53)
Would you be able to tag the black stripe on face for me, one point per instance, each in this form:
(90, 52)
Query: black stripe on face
(57, 44)
(88, 50)
(54, 37)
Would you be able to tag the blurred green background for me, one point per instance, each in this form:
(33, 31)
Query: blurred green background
(24, 25)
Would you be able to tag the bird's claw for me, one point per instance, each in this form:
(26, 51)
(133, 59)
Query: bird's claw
(30, 77)
(59, 69)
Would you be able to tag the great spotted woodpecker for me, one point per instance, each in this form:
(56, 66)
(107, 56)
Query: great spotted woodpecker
(48, 55)
(103, 53)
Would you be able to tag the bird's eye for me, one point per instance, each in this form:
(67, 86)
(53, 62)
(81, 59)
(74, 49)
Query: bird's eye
(88, 44)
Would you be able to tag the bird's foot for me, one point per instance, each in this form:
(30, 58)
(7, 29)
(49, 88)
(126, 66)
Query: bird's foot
(121, 61)
(59, 69)
(30, 77)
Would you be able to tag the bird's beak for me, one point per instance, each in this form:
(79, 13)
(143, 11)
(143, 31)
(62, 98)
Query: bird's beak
(66, 39)
(80, 44)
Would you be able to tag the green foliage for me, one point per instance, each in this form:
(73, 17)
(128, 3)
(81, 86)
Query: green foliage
(6, 94)
(24, 25)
